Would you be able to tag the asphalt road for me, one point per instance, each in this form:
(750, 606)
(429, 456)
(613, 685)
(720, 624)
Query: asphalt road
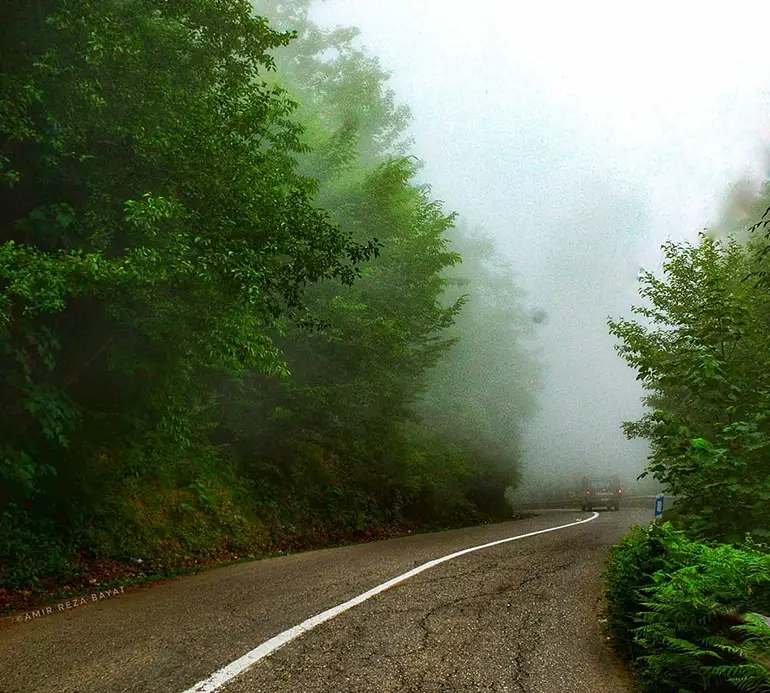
(519, 617)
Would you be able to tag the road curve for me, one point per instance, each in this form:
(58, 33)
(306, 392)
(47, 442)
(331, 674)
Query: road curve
(518, 617)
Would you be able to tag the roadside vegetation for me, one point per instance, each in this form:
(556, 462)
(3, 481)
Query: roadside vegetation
(689, 599)
(232, 319)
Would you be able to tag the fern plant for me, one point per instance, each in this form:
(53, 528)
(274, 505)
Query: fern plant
(696, 612)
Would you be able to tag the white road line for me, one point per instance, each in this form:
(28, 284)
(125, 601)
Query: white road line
(221, 677)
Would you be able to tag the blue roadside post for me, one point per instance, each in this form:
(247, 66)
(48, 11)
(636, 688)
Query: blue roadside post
(658, 512)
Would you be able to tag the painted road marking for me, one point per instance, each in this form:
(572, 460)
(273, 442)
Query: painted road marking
(221, 677)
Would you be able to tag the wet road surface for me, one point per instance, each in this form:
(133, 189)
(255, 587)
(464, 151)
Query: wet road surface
(519, 617)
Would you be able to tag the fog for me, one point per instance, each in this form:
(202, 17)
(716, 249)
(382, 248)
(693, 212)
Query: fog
(580, 137)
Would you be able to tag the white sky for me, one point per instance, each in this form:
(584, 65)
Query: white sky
(581, 135)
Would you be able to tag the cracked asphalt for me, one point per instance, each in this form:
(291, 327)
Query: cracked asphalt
(520, 617)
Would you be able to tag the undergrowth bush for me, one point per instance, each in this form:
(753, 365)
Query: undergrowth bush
(684, 614)
(197, 507)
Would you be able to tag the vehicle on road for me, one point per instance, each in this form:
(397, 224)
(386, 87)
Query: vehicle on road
(600, 492)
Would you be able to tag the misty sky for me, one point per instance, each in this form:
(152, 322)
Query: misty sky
(582, 136)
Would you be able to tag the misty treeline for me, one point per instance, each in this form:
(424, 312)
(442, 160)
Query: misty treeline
(230, 318)
(701, 348)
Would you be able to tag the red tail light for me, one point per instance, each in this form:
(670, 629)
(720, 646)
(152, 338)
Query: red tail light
(588, 493)
(620, 491)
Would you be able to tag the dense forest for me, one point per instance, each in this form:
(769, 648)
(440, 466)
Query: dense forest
(232, 318)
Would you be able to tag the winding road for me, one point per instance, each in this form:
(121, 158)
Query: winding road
(511, 607)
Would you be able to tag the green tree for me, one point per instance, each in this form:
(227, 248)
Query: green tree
(699, 351)
(154, 228)
(337, 433)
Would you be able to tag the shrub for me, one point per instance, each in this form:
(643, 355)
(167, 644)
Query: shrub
(680, 612)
